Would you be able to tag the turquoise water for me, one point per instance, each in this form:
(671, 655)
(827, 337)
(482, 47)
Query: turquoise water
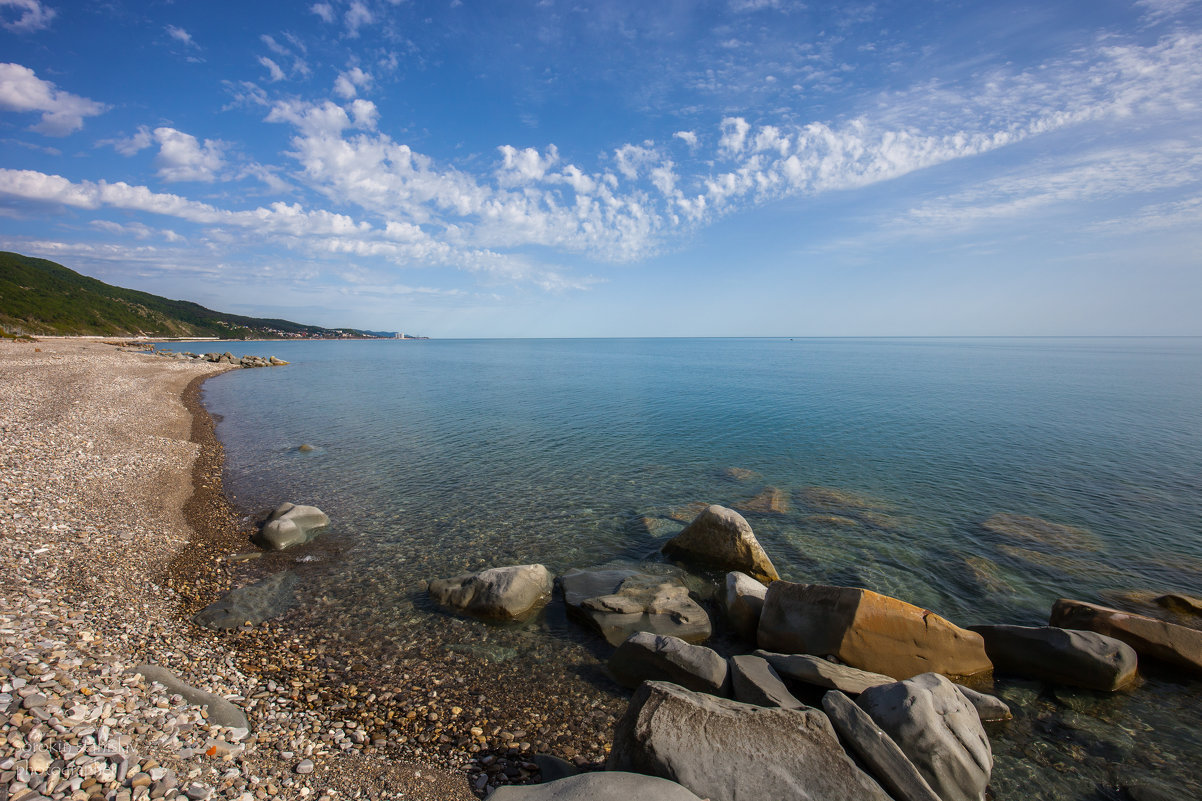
(432, 457)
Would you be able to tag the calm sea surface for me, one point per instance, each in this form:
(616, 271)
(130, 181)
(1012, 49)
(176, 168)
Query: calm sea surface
(432, 457)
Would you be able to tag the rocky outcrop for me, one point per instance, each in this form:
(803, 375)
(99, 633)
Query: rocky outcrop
(251, 605)
(744, 602)
(753, 681)
(1062, 656)
(657, 657)
(725, 751)
(1157, 639)
(720, 537)
(610, 785)
(822, 673)
(938, 729)
(867, 630)
(501, 593)
(619, 601)
(291, 525)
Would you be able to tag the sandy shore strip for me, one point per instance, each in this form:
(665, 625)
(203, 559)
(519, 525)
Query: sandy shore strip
(97, 460)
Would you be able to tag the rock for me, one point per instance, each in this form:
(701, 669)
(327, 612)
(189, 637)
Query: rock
(620, 601)
(744, 602)
(658, 657)
(39, 761)
(221, 711)
(305, 447)
(305, 766)
(291, 525)
(1181, 604)
(876, 750)
(990, 709)
(1028, 529)
(753, 681)
(834, 498)
(263, 600)
(938, 729)
(722, 538)
(739, 473)
(1157, 639)
(821, 673)
(500, 593)
(1062, 656)
(866, 630)
(274, 362)
(602, 786)
(724, 750)
(552, 768)
(770, 501)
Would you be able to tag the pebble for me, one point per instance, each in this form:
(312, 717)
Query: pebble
(305, 766)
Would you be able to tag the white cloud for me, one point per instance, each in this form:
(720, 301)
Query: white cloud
(182, 158)
(180, 35)
(323, 10)
(734, 135)
(351, 81)
(130, 145)
(520, 167)
(273, 69)
(688, 137)
(62, 112)
(631, 159)
(30, 15)
(356, 17)
(1158, 10)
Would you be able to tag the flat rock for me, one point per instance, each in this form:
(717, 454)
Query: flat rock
(291, 525)
(1167, 642)
(876, 750)
(822, 673)
(720, 537)
(938, 729)
(263, 600)
(513, 592)
(744, 602)
(1061, 656)
(867, 630)
(727, 751)
(221, 711)
(619, 601)
(753, 681)
(644, 656)
(610, 785)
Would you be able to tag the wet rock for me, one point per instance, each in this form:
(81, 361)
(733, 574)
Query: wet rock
(753, 681)
(305, 447)
(724, 750)
(500, 593)
(720, 537)
(291, 525)
(620, 601)
(990, 709)
(744, 602)
(1181, 604)
(1062, 656)
(866, 630)
(1172, 644)
(740, 473)
(938, 729)
(1027, 529)
(221, 711)
(657, 657)
(822, 673)
(251, 605)
(770, 501)
(601, 786)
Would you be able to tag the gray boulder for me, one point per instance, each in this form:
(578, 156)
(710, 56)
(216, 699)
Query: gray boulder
(720, 537)
(658, 657)
(1157, 639)
(755, 682)
(990, 709)
(726, 751)
(744, 602)
(291, 525)
(501, 593)
(938, 729)
(619, 601)
(876, 750)
(822, 673)
(220, 711)
(1062, 656)
(252, 604)
(602, 786)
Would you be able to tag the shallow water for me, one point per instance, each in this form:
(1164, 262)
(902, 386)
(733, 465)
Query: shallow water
(434, 457)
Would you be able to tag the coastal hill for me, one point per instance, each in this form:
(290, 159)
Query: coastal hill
(41, 297)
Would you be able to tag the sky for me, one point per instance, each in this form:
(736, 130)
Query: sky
(573, 168)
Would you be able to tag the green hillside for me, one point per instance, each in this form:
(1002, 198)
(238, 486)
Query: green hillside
(40, 297)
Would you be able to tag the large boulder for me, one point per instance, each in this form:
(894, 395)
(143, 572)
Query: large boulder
(251, 605)
(721, 538)
(753, 681)
(619, 601)
(501, 593)
(938, 729)
(1167, 642)
(727, 751)
(744, 602)
(823, 673)
(610, 785)
(291, 525)
(1062, 656)
(867, 630)
(644, 656)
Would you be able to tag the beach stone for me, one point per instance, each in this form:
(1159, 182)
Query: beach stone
(609, 785)
(305, 766)
(990, 709)
(1168, 642)
(725, 751)
(263, 600)
(645, 656)
(619, 601)
(744, 602)
(886, 762)
(753, 681)
(822, 673)
(291, 525)
(500, 593)
(1061, 656)
(721, 537)
(1027, 529)
(938, 729)
(221, 711)
(867, 630)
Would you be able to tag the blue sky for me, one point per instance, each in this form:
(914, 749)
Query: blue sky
(555, 168)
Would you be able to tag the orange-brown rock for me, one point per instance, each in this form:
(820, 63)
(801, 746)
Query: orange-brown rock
(1158, 639)
(868, 631)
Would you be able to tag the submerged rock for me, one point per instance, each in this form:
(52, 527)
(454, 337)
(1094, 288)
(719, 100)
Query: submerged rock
(744, 603)
(621, 601)
(720, 537)
(500, 593)
(658, 657)
(740, 473)
(1062, 656)
(291, 525)
(251, 605)
(1158, 639)
(828, 498)
(1027, 529)
(770, 501)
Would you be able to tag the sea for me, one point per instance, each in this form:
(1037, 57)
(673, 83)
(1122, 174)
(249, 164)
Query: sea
(876, 463)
